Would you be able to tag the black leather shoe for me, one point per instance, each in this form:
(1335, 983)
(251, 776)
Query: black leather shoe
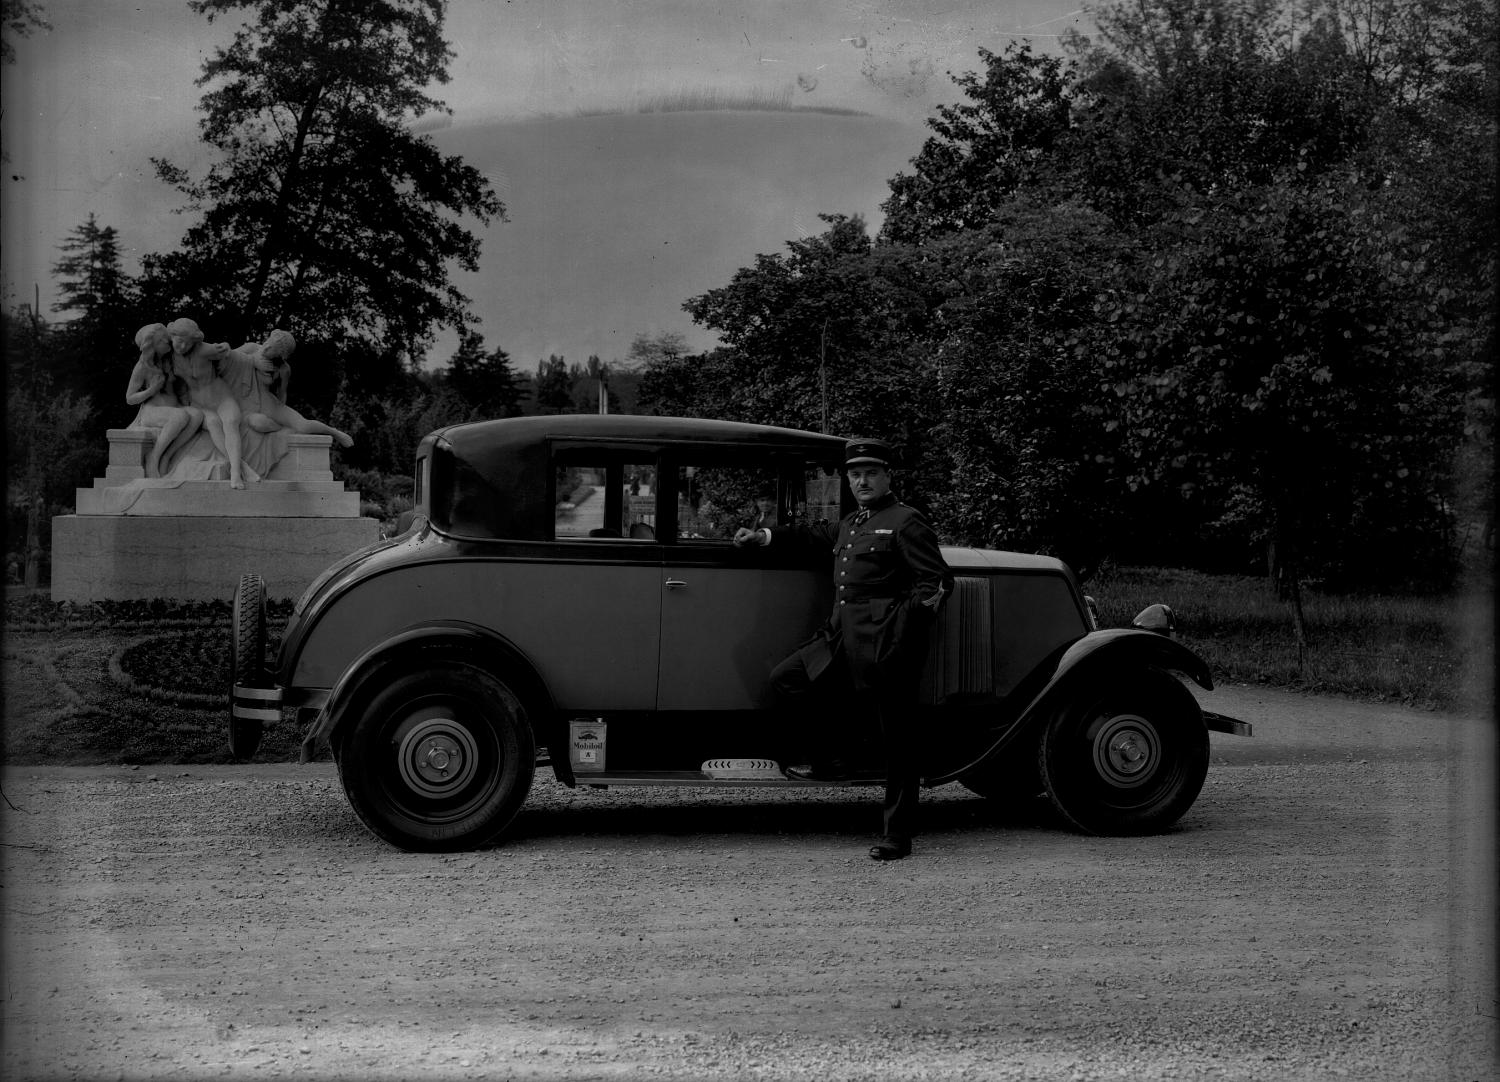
(890, 849)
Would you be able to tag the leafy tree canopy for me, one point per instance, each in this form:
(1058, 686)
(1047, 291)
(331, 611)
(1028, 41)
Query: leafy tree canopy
(18, 18)
(1220, 274)
(324, 212)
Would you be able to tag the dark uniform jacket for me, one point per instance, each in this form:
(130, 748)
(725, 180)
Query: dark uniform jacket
(889, 580)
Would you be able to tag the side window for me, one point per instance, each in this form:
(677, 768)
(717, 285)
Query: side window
(601, 499)
(715, 500)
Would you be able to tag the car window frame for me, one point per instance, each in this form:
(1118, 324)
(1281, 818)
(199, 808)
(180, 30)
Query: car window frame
(667, 459)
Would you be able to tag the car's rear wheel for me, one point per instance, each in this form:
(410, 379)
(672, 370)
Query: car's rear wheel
(1127, 757)
(438, 759)
(247, 661)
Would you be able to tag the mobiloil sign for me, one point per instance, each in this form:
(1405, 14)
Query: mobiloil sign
(586, 751)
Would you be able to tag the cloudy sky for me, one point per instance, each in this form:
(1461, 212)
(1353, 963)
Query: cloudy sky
(614, 219)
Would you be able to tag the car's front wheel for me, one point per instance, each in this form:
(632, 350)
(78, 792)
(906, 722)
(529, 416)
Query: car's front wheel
(438, 759)
(1127, 757)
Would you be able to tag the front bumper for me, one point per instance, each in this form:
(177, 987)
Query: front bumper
(1220, 724)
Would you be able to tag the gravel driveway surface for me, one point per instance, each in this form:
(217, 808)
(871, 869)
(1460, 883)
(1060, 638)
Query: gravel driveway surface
(1324, 911)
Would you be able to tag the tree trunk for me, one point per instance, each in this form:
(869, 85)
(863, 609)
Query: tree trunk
(1286, 575)
(34, 542)
(277, 225)
(1299, 624)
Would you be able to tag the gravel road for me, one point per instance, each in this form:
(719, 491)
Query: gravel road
(1324, 911)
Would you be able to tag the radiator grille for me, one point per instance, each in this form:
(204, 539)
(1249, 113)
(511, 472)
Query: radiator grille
(960, 658)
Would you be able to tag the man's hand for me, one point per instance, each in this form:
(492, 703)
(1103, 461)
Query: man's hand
(746, 536)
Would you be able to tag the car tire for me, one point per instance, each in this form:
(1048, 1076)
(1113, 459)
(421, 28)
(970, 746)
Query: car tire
(1127, 758)
(247, 661)
(438, 759)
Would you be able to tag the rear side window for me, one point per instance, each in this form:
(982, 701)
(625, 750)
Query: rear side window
(601, 496)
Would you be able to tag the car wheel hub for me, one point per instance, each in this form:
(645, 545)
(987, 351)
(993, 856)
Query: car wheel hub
(1127, 750)
(437, 757)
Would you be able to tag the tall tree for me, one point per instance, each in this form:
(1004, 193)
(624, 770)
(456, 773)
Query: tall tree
(45, 456)
(983, 150)
(485, 381)
(1287, 348)
(1024, 436)
(324, 210)
(94, 348)
(90, 280)
(816, 337)
(553, 386)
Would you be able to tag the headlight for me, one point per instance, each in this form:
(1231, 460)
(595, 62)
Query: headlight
(1157, 618)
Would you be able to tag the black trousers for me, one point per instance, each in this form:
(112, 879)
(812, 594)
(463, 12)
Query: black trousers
(831, 717)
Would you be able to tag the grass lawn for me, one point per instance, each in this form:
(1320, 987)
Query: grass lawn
(148, 682)
(1423, 651)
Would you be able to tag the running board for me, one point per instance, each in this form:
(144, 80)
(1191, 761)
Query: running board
(718, 772)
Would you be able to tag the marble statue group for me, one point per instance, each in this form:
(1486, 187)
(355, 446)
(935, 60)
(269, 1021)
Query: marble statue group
(217, 411)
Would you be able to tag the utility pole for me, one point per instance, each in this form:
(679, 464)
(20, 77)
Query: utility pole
(33, 479)
(823, 372)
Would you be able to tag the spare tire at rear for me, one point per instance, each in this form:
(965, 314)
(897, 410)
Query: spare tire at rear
(247, 667)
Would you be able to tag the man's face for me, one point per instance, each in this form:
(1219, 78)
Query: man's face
(868, 483)
(182, 343)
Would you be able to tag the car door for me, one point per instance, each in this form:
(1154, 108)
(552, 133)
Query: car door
(729, 615)
(596, 598)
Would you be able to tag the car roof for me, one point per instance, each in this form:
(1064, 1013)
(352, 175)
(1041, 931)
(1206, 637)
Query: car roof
(483, 439)
(491, 478)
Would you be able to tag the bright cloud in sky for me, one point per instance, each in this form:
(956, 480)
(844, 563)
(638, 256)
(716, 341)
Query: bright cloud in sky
(88, 104)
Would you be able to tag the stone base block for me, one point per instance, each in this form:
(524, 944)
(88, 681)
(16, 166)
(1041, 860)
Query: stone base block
(196, 558)
(215, 499)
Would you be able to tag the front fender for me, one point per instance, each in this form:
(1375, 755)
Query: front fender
(456, 638)
(1130, 646)
(1085, 659)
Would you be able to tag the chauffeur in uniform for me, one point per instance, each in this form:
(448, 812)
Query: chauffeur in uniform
(890, 580)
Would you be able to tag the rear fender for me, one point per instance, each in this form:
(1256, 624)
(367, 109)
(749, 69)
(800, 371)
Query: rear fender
(1093, 657)
(419, 645)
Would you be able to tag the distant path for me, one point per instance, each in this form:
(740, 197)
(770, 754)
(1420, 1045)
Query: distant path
(1318, 914)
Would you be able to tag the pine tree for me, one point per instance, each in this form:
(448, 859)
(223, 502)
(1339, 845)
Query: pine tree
(554, 386)
(89, 278)
(484, 380)
(95, 348)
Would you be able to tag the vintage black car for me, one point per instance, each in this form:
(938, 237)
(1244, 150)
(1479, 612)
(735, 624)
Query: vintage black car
(567, 595)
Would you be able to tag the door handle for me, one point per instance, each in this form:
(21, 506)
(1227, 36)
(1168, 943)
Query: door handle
(672, 584)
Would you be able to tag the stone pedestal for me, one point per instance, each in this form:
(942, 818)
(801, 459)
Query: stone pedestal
(135, 538)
